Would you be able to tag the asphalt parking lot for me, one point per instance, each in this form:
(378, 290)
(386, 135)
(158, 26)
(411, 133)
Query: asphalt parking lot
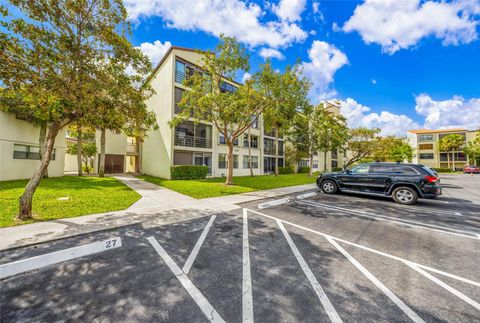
(319, 258)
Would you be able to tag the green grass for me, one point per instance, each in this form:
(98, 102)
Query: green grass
(87, 195)
(212, 187)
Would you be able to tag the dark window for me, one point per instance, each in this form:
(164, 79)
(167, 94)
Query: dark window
(223, 141)
(426, 137)
(222, 161)
(363, 169)
(405, 170)
(381, 169)
(426, 156)
(180, 70)
(246, 161)
(29, 152)
(334, 154)
(227, 87)
(334, 164)
(304, 163)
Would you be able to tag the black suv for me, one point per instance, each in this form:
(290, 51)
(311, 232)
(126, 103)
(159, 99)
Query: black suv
(405, 183)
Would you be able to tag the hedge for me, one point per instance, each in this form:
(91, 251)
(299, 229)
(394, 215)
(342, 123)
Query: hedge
(442, 170)
(303, 169)
(188, 172)
(286, 170)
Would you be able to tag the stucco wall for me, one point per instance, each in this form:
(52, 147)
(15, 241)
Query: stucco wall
(14, 131)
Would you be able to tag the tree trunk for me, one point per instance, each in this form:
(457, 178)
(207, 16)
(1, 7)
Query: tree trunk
(79, 152)
(250, 153)
(453, 160)
(311, 151)
(25, 201)
(325, 161)
(229, 180)
(101, 167)
(448, 159)
(276, 151)
(41, 143)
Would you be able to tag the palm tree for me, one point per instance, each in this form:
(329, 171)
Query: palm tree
(451, 143)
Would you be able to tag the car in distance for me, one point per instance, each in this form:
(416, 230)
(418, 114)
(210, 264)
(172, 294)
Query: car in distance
(471, 169)
(405, 183)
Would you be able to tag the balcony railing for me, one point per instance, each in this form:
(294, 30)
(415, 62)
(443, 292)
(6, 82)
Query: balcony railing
(271, 151)
(132, 148)
(192, 141)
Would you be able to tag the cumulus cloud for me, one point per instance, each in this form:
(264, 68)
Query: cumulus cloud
(396, 25)
(289, 10)
(324, 60)
(453, 113)
(155, 50)
(270, 52)
(359, 115)
(231, 17)
(374, 81)
(246, 76)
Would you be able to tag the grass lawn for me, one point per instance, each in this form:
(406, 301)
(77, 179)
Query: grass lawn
(212, 187)
(86, 195)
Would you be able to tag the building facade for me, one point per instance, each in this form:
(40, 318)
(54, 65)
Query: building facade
(191, 143)
(427, 150)
(19, 149)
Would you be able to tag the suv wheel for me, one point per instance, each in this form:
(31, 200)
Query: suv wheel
(405, 195)
(329, 187)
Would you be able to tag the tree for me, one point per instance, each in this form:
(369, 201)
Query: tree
(286, 92)
(362, 143)
(88, 147)
(472, 150)
(231, 112)
(391, 148)
(451, 143)
(51, 60)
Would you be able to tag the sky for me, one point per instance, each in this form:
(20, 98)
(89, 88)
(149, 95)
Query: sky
(395, 65)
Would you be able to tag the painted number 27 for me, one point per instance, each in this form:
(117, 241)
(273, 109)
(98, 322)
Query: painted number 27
(110, 243)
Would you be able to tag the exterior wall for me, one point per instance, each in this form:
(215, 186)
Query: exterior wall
(14, 131)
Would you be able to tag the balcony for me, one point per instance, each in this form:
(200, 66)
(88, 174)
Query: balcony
(132, 148)
(192, 141)
(271, 151)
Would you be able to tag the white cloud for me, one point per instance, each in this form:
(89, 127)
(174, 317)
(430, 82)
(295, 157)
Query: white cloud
(359, 115)
(315, 7)
(155, 50)
(402, 24)
(374, 81)
(232, 17)
(246, 76)
(289, 10)
(270, 52)
(325, 60)
(454, 113)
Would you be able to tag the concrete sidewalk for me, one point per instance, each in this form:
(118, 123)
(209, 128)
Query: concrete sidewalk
(157, 206)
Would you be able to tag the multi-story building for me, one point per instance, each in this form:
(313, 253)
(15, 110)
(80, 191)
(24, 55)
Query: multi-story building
(334, 159)
(191, 143)
(427, 150)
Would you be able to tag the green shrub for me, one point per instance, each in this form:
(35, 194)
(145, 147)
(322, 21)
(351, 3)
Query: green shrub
(286, 170)
(303, 169)
(188, 172)
(337, 169)
(442, 170)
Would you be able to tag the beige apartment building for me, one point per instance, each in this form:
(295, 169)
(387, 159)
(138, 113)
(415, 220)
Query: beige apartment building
(427, 151)
(197, 144)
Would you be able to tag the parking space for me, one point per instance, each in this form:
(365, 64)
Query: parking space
(319, 258)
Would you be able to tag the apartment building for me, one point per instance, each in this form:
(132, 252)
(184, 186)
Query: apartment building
(19, 149)
(334, 159)
(427, 151)
(192, 143)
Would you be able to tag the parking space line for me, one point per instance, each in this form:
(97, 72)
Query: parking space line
(24, 265)
(404, 307)
(426, 226)
(452, 290)
(322, 296)
(465, 280)
(192, 290)
(247, 295)
(193, 255)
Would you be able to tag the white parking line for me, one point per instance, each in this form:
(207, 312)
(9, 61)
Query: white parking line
(194, 292)
(306, 195)
(247, 296)
(191, 258)
(24, 265)
(426, 226)
(404, 307)
(465, 280)
(452, 290)
(327, 305)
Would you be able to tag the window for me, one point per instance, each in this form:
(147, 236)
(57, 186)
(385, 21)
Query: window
(235, 161)
(334, 154)
(315, 164)
(315, 153)
(381, 169)
(179, 71)
(222, 161)
(29, 152)
(425, 137)
(425, 146)
(253, 141)
(334, 164)
(254, 161)
(304, 163)
(227, 87)
(361, 169)
(255, 122)
(426, 156)
(405, 170)
(222, 141)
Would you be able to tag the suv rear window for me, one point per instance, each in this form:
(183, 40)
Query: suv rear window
(405, 170)
(428, 170)
(381, 169)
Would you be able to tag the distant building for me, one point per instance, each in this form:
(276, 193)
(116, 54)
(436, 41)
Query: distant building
(427, 151)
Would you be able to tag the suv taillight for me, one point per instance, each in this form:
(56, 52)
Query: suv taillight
(431, 179)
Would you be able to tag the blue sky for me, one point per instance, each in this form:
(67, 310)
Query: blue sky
(396, 65)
